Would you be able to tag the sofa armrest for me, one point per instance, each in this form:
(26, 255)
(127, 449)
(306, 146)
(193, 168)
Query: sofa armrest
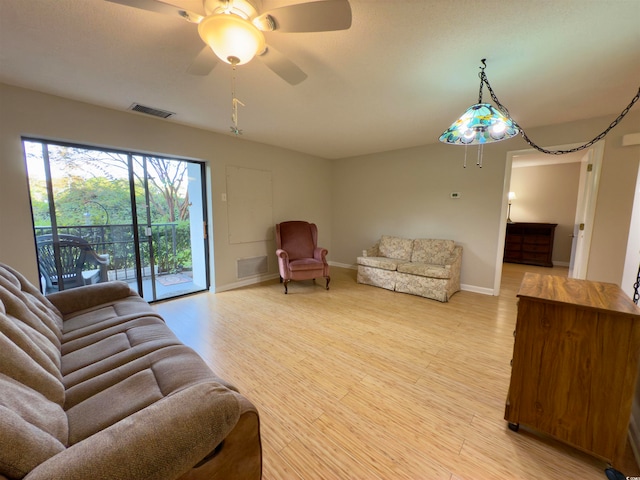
(163, 441)
(455, 256)
(76, 299)
(372, 251)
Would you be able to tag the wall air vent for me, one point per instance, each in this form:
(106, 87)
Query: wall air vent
(156, 112)
(249, 267)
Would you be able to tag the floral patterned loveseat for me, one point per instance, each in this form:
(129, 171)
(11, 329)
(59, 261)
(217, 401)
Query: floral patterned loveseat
(426, 267)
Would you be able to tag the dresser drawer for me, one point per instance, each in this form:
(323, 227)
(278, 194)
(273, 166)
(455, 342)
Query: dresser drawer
(536, 248)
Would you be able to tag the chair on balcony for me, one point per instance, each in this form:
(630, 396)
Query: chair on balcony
(78, 262)
(299, 257)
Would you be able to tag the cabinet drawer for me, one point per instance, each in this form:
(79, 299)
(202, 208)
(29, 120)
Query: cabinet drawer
(537, 240)
(536, 248)
(535, 257)
(514, 239)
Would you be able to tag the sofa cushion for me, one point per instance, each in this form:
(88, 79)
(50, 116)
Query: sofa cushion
(101, 317)
(426, 269)
(26, 356)
(379, 262)
(118, 393)
(377, 277)
(395, 247)
(22, 301)
(32, 428)
(432, 251)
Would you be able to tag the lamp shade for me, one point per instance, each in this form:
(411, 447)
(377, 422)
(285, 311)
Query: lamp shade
(233, 39)
(480, 124)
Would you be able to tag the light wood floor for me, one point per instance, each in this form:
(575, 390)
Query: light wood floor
(361, 383)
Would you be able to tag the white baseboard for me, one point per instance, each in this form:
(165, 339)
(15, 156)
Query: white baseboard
(263, 278)
(351, 266)
(244, 283)
(476, 289)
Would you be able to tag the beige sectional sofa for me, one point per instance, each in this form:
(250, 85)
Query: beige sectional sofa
(94, 385)
(426, 267)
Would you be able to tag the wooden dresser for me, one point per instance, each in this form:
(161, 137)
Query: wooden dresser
(530, 243)
(575, 363)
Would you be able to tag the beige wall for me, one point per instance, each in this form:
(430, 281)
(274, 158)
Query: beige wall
(407, 193)
(353, 201)
(300, 182)
(548, 194)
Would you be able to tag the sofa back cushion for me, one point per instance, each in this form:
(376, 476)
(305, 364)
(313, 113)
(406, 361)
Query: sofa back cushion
(30, 305)
(32, 428)
(432, 251)
(30, 332)
(395, 247)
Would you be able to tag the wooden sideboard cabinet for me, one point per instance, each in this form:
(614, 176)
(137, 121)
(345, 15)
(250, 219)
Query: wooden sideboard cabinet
(530, 243)
(575, 363)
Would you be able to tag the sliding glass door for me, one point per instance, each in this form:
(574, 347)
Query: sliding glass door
(102, 215)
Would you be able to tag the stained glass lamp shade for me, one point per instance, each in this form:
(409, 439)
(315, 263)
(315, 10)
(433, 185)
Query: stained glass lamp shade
(480, 124)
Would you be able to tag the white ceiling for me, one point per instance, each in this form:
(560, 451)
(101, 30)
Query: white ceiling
(401, 74)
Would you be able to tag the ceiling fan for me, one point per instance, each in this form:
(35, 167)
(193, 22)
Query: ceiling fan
(232, 29)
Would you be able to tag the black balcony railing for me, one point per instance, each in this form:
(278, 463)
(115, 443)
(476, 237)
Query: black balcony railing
(118, 241)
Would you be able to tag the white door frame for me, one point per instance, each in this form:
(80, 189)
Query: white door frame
(587, 198)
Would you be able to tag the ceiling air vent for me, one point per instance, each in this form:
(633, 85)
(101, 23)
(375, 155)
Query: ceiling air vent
(156, 112)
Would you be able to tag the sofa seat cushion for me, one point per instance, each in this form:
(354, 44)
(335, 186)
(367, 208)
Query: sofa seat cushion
(305, 264)
(425, 269)
(378, 277)
(395, 247)
(104, 316)
(119, 393)
(138, 339)
(380, 262)
(432, 251)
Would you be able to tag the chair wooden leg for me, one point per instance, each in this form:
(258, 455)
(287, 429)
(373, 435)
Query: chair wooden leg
(328, 280)
(286, 290)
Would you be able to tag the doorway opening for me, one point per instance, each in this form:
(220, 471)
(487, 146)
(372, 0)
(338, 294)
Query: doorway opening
(574, 207)
(102, 215)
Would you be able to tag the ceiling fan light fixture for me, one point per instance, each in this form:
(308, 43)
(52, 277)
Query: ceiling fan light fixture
(233, 39)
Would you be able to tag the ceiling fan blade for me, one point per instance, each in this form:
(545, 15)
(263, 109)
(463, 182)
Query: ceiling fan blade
(161, 7)
(282, 66)
(204, 62)
(319, 16)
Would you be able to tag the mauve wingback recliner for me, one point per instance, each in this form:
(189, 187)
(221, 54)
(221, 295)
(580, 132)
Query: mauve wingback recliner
(299, 257)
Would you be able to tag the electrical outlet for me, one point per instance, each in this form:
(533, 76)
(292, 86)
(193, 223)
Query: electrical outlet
(455, 195)
(224, 197)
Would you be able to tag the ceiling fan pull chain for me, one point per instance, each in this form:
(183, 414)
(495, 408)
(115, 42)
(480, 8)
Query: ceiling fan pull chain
(234, 104)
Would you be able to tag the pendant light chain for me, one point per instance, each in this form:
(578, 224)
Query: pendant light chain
(484, 80)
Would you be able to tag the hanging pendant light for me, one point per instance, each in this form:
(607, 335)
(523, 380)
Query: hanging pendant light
(481, 123)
